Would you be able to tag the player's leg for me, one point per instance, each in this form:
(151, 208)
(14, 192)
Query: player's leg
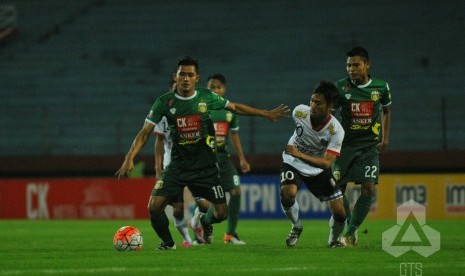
(360, 212)
(324, 187)
(160, 222)
(337, 222)
(366, 172)
(164, 190)
(208, 187)
(179, 222)
(215, 214)
(234, 208)
(290, 179)
(231, 183)
(194, 223)
(341, 172)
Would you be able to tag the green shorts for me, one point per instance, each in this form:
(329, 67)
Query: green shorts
(229, 177)
(203, 183)
(357, 164)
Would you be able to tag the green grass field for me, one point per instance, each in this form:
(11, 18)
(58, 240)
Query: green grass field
(85, 247)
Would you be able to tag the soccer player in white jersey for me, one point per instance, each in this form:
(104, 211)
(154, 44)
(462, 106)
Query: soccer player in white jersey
(308, 157)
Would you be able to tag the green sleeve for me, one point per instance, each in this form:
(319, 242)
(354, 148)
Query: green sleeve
(234, 122)
(386, 96)
(156, 112)
(216, 102)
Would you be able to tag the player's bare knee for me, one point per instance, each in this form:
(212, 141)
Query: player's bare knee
(288, 196)
(368, 189)
(221, 212)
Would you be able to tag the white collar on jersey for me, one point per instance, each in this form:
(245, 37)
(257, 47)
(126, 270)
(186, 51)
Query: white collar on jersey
(185, 98)
(363, 85)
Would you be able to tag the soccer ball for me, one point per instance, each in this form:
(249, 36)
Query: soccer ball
(128, 238)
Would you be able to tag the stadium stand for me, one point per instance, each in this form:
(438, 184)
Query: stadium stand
(80, 76)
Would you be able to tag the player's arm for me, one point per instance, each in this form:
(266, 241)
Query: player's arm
(159, 151)
(386, 126)
(320, 162)
(272, 115)
(136, 146)
(236, 140)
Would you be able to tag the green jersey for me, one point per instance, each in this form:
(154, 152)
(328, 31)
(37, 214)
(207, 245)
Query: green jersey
(192, 130)
(224, 121)
(361, 109)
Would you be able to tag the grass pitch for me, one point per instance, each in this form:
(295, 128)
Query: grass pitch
(85, 247)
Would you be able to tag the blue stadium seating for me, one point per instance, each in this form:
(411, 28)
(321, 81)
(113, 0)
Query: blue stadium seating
(81, 76)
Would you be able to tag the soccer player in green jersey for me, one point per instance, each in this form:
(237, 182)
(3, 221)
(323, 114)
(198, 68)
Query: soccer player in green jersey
(193, 157)
(226, 125)
(364, 103)
(163, 145)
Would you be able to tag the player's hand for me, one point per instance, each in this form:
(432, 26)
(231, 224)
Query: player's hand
(279, 112)
(245, 166)
(382, 146)
(292, 150)
(127, 166)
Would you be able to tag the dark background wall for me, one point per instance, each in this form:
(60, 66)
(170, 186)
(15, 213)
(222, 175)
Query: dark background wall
(80, 76)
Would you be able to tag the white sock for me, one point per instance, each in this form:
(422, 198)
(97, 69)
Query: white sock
(292, 213)
(336, 229)
(195, 220)
(181, 225)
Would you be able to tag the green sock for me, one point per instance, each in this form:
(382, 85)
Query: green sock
(161, 226)
(346, 202)
(234, 208)
(361, 210)
(210, 217)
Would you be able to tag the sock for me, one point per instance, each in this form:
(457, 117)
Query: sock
(346, 202)
(361, 210)
(210, 218)
(336, 229)
(234, 207)
(181, 225)
(195, 218)
(292, 213)
(161, 226)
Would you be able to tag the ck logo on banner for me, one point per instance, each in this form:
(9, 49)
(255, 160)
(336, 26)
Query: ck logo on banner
(411, 232)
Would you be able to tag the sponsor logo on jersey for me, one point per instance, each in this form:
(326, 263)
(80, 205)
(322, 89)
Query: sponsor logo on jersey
(331, 129)
(375, 129)
(159, 185)
(202, 107)
(211, 142)
(229, 116)
(337, 175)
(173, 110)
(221, 128)
(189, 128)
(348, 96)
(362, 121)
(361, 115)
(221, 131)
(301, 114)
(375, 95)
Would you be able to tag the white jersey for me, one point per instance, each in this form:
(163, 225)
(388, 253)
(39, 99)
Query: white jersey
(162, 129)
(313, 142)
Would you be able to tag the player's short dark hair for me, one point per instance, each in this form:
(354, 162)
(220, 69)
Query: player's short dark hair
(219, 77)
(359, 51)
(187, 60)
(328, 90)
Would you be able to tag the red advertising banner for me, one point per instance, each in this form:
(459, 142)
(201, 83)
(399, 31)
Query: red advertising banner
(94, 198)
